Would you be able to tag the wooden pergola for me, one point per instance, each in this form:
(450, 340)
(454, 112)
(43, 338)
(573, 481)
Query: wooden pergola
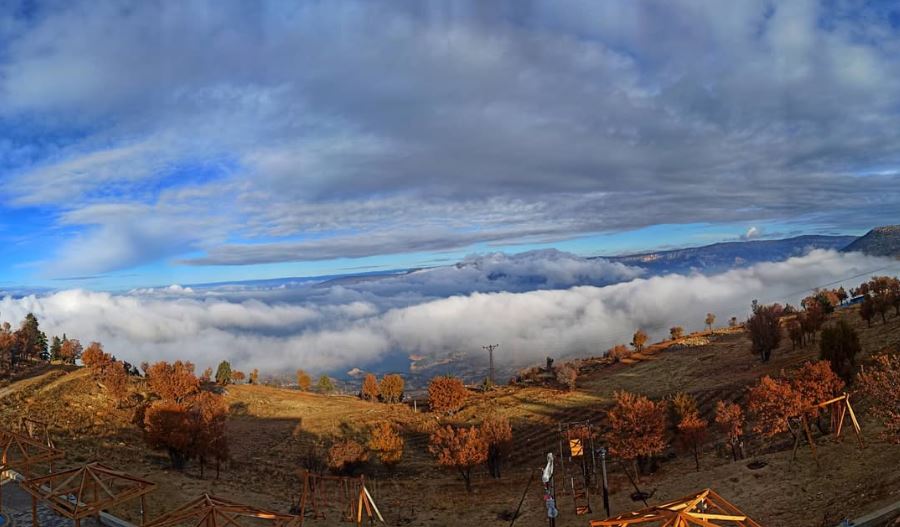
(210, 511)
(840, 407)
(703, 509)
(86, 491)
(22, 454)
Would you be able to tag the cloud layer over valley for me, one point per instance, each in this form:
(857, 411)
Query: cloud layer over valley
(534, 304)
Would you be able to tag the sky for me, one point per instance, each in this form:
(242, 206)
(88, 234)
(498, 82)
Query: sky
(152, 143)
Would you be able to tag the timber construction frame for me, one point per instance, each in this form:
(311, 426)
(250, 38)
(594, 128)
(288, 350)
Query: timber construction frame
(85, 491)
(703, 509)
(210, 511)
(21, 454)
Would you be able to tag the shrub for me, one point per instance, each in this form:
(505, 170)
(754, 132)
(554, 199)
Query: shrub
(618, 352)
(691, 433)
(325, 385)
(676, 332)
(446, 395)
(345, 456)
(460, 449)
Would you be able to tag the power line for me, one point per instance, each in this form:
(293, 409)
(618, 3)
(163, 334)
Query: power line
(490, 349)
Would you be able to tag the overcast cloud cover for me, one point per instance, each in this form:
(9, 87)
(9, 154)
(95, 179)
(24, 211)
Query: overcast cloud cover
(246, 133)
(225, 140)
(359, 324)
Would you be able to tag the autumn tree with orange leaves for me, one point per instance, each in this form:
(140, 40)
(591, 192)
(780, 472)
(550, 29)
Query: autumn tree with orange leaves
(730, 421)
(173, 382)
(497, 434)
(167, 427)
(387, 443)
(691, 433)
(638, 340)
(115, 379)
(208, 413)
(345, 456)
(637, 428)
(369, 390)
(391, 388)
(773, 403)
(816, 382)
(446, 395)
(304, 381)
(880, 384)
(459, 448)
(95, 359)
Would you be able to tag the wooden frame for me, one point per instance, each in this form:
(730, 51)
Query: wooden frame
(86, 491)
(210, 511)
(35, 429)
(703, 509)
(21, 454)
(351, 491)
(840, 407)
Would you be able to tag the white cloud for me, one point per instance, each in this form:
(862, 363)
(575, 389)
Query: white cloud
(339, 326)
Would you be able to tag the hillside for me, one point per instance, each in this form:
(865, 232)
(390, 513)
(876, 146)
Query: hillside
(880, 241)
(720, 257)
(273, 430)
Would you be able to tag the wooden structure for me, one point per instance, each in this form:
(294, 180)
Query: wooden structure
(703, 509)
(85, 491)
(347, 494)
(210, 511)
(22, 454)
(840, 408)
(578, 461)
(35, 429)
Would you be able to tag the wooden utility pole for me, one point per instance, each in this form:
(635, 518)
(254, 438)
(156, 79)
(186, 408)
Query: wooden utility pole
(490, 349)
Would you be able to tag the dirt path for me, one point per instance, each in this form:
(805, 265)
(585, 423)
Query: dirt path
(23, 384)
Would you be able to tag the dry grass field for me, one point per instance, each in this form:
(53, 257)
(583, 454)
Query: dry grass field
(271, 430)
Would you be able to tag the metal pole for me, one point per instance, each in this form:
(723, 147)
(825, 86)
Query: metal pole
(605, 482)
(490, 349)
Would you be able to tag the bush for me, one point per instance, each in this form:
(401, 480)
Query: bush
(446, 395)
(638, 340)
(618, 352)
(881, 384)
(730, 420)
(676, 332)
(304, 382)
(567, 375)
(345, 456)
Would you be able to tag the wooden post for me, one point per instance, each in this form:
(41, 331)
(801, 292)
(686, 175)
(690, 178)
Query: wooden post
(809, 438)
(143, 509)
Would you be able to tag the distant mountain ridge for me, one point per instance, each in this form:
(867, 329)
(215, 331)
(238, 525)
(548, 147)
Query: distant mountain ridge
(720, 257)
(880, 241)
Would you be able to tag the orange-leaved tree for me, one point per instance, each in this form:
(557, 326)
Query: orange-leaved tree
(173, 382)
(369, 390)
(304, 381)
(730, 420)
(391, 388)
(637, 427)
(691, 433)
(816, 383)
(345, 456)
(385, 440)
(446, 395)
(167, 426)
(638, 340)
(95, 358)
(460, 449)
(115, 380)
(880, 383)
(773, 403)
(765, 332)
(208, 413)
(497, 433)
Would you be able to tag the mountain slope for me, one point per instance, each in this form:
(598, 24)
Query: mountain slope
(720, 257)
(880, 241)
